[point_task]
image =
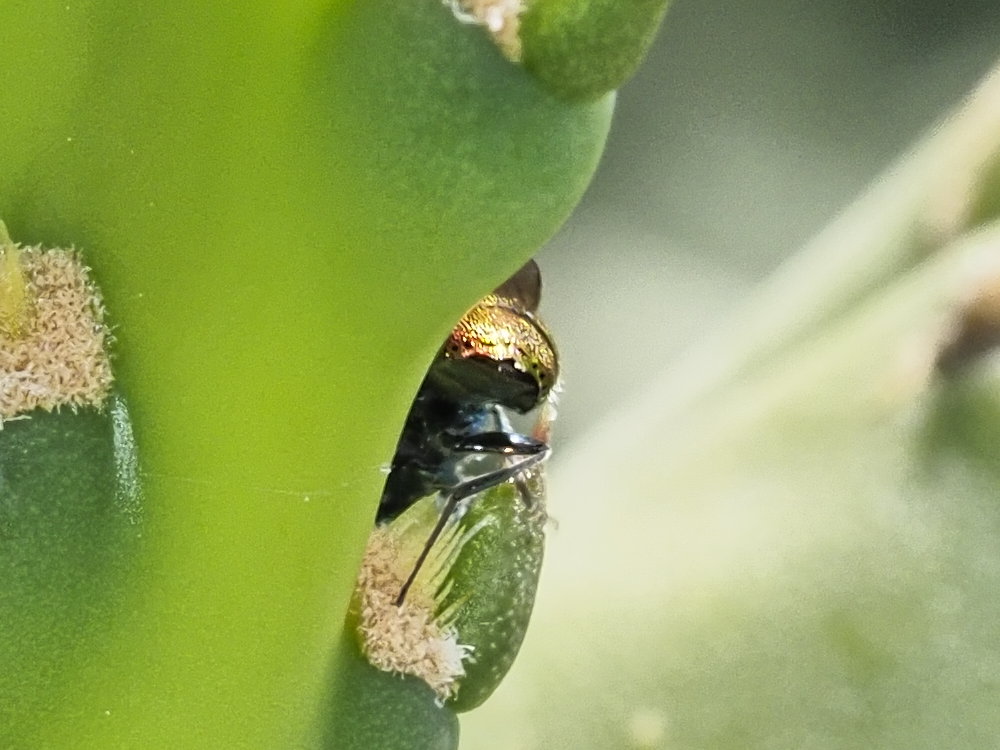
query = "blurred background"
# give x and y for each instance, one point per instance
(800, 583)
(747, 129)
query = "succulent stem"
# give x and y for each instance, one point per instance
(582, 49)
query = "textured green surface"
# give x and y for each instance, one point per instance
(494, 577)
(383, 710)
(582, 49)
(67, 535)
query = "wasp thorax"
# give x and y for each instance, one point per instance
(504, 352)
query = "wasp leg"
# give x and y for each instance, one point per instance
(505, 443)
(501, 443)
(530, 452)
(503, 422)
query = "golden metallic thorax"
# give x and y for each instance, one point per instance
(502, 330)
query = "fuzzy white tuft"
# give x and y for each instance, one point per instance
(501, 18)
(405, 639)
(56, 353)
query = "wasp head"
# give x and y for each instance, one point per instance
(500, 352)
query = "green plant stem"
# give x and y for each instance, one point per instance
(286, 207)
(582, 49)
(67, 540)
